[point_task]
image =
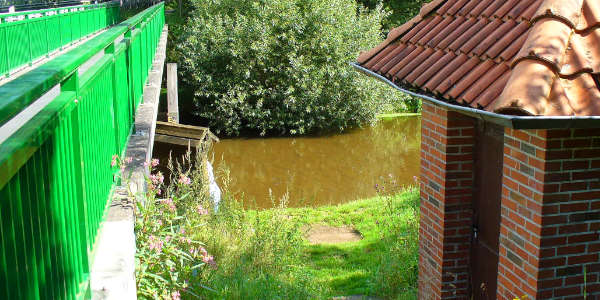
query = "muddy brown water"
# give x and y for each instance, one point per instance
(317, 171)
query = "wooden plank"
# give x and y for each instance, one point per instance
(172, 97)
(197, 133)
(167, 139)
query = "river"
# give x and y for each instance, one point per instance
(314, 171)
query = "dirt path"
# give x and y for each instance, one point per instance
(323, 234)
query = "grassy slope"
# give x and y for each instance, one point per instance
(263, 255)
(389, 227)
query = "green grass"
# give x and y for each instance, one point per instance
(265, 254)
(396, 115)
(359, 268)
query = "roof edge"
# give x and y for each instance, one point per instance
(397, 32)
(510, 121)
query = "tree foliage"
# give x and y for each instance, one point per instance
(401, 10)
(280, 66)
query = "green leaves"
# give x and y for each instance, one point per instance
(280, 66)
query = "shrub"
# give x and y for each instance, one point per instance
(280, 66)
(401, 10)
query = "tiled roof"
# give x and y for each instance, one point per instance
(520, 57)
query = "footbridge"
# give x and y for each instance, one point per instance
(77, 88)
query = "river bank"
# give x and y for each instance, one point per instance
(270, 254)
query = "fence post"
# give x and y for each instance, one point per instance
(172, 97)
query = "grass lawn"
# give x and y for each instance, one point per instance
(384, 263)
(265, 254)
(396, 115)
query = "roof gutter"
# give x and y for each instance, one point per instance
(514, 122)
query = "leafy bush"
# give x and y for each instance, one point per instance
(401, 10)
(280, 66)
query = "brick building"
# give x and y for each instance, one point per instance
(510, 158)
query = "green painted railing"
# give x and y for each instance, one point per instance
(28, 36)
(55, 170)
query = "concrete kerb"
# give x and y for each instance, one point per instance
(113, 272)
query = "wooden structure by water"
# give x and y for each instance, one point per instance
(182, 135)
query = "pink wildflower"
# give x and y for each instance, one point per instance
(170, 204)
(114, 160)
(155, 243)
(202, 211)
(157, 178)
(154, 162)
(185, 180)
(210, 260)
(175, 295)
(158, 191)
(128, 159)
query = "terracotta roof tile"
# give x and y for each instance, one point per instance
(479, 39)
(434, 69)
(467, 80)
(401, 64)
(467, 8)
(452, 36)
(424, 66)
(386, 57)
(522, 7)
(526, 57)
(445, 33)
(491, 9)
(433, 32)
(492, 92)
(530, 11)
(445, 72)
(512, 50)
(445, 7)
(396, 59)
(456, 74)
(458, 5)
(506, 40)
(590, 17)
(468, 35)
(427, 29)
(480, 7)
(412, 64)
(380, 57)
(505, 8)
(485, 81)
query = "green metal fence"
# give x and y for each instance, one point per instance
(28, 36)
(55, 170)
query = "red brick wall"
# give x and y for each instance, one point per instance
(447, 143)
(550, 214)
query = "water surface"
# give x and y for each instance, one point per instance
(315, 171)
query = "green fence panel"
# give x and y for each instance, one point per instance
(58, 178)
(27, 36)
(53, 36)
(18, 45)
